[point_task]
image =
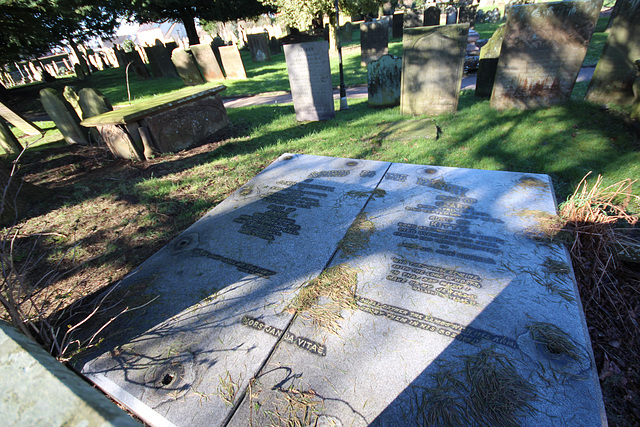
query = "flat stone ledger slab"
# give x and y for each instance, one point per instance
(383, 81)
(374, 41)
(171, 360)
(453, 289)
(543, 49)
(432, 65)
(615, 72)
(232, 62)
(207, 62)
(310, 80)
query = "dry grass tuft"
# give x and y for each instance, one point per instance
(554, 339)
(357, 236)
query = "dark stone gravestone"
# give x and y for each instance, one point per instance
(259, 47)
(346, 33)
(207, 62)
(412, 18)
(22, 123)
(137, 65)
(122, 61)
(374, 41)
(431, 16)
(215, 46)
(488, 65)
(186, 67)
(162, 58)
(8, 141)
(383, 81)
(274, 46)
(232, 62)
(452, 15)
(467, 14)
(80, 74)
(440, 288)
(397, 25)
(615, 72)
(151, 52)
(433, 58)
(64, 117)
(170, 46)
(542, 52)
(92, 102)
(310, 80)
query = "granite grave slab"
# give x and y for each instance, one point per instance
(310, 80)
(543, 49)
(448, 294)
(383, 81)
(207, 62)
(232, 62)
(615, 72)
(183, 357)
(432, 65)
(374, 41)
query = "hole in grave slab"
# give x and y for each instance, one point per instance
(352, 163)
(430, 171)
(287, 158)
(167, 379)
(183, 243)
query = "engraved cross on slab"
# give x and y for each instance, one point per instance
(332, 291)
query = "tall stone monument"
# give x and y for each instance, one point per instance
(207, 62)
(432, 63)
(615, 72)
(310, 80)
(344, 292)
(374, 41)
(542, 52)
(384, 76)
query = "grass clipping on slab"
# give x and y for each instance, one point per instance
(322, 299)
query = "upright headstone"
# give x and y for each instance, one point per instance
(8, 141)
(310, 80)
(93, 102)
(64, 117)
(542, 52)
(216, 43)
(232, 62)
(346, 32)
(80, 74)
(432, 63)
(275, 47)
(133, 58)
(120, 58)
(259, 47)
(71, 96)
(412, 18)
(398, 24)
(615, 72)
(489, 55)
(207, 62)
(152, 52)
(431, 16)
(161, 55)
(19, 121)
(452, 15)
(467, 13)
(186, 67)
(374, 41)
(383, 81)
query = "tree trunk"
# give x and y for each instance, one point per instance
(190, 26)
(81, 60)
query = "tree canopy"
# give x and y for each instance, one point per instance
(187, 10)
(300, 13)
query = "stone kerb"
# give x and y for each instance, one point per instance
(64, 117)
(542, 53)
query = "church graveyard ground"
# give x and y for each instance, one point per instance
(347, 290)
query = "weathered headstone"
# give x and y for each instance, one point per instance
(238, 326)
(80, 74)
(122, 60)
(431, 16)
(92, 102)
(412, 18)
(207, 62)
(489, 55)
(71, 96)
(310, 80)
(215, 46)
(161, 56)
(452, 15)
(152, 52)
(64, 117)
(259, 47)
(374, 41)
(397, 25)
(274, 46)
(137, 65)
(542, 52)
(467, 14)
(8, 141)
(615, 72)
(186, 67)
(383, 81)
(433, 58)
(232, 62)
(346, 33)
(19, 121)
